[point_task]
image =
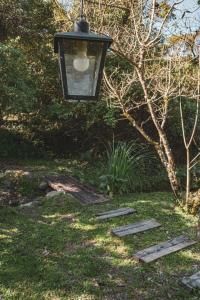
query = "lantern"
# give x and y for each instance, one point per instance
(81, 60)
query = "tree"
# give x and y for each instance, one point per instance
(149, 80)
(189, 139)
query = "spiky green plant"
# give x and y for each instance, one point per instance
(126, 165)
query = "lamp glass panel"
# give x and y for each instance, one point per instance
(82, 62)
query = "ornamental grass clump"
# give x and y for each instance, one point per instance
(125, 164)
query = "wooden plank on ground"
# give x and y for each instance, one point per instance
(136, 227)
(165, 248)
(192, 282)
(111, 211)
(115, 213)
(84, 193)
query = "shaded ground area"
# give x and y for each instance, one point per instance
(19, 182)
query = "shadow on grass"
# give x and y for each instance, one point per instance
(62, 252)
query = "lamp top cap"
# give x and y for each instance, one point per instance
(90, 36)
(82, 25)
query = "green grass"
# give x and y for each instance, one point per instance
(84, 171)
(57, 250)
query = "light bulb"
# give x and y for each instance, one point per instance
(81, 62)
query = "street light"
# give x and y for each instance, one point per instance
(81, 56)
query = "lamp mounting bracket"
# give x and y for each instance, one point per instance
(82, 9)
(82, 25)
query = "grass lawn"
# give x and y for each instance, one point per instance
(57, 250)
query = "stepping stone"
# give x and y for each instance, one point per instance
(162, 249)
(136, 227)
(192, 282)
(115, 213)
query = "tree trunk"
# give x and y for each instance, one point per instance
(167, 160)
(188, 178)
(198, 226)
(163, 149)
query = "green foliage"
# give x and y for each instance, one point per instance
(10, 26)
(16, 85)
(33, 28)
(28, 186)
(196, 176)
(119, 164)
(110, 117)
(14, 144)
(126, 167)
